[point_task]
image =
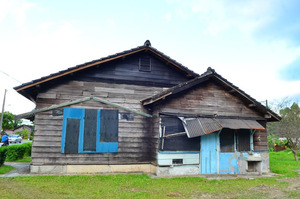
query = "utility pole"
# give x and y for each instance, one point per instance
(1, 121)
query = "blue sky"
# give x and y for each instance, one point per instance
(254, 44)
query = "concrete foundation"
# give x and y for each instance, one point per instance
(254, 163)
(178, 170)
(86, 169)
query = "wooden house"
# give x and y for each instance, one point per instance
(141, 111)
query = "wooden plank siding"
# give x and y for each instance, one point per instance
(208, 99)
(137, 139)
(127, 69)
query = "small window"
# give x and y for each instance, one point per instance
(177, 161)
(171, 126)
(145, 64)
(243, 140)
(227, 140)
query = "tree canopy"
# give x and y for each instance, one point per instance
(9, 122)
(289, 127)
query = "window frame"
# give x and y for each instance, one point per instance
(142, 67)
(79, 113)
(235, 141)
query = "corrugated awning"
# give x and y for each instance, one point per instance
(195, 127)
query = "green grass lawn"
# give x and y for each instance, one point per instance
(143, 186)
(5, 169)
(283, 162)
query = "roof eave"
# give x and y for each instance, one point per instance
(68, 71)
(210, 73)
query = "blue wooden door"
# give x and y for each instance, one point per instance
(209, 153)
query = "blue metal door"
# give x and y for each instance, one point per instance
(209, 153)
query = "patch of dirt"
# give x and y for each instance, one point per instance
(174, 194)
(294, 183)
(273, 192)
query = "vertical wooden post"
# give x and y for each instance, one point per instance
(1, 121)
(251, 139)
(218, 152)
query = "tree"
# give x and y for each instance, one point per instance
(289, 127)
(17, 123)
(8, 121)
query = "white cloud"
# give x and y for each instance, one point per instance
(16, 9)
(168, 17)
(111, 22)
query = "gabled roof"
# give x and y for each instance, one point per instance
(211, 74)
(145, 47)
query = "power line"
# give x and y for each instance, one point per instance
(10, 76)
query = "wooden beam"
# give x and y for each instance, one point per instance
(149, 101)
(251, 105)
(175, 135)
(121, 107)
(80, 101)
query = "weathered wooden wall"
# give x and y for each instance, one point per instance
(260, 139)
(208, 99)
(137, 140)
(127, 71)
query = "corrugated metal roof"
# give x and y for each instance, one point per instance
(193, 128)
(239, 124)
(196, 127)
(209, 125)
(232, 123)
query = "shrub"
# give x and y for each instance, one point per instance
(2, 155)
(28, 147)
(15, 152)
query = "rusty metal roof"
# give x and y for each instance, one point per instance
(196, 127)
(239, 124)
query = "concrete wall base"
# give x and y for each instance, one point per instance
(85, 169)
(178, 170)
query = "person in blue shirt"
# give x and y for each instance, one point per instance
(4, 140)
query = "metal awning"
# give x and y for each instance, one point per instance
(195, 127)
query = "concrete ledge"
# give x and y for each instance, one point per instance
(48, 169)
(178, 170)
(85, 169)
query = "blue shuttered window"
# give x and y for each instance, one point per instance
(89, 131)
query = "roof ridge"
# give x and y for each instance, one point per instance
(92, 63)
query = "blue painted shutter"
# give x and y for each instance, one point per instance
(72, 135)
(90, 130)
(109, 126)
(72, 126)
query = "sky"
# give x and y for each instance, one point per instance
(252, 43)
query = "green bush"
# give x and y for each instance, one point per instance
(28, 147)
(2, 155)
(15, 152)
